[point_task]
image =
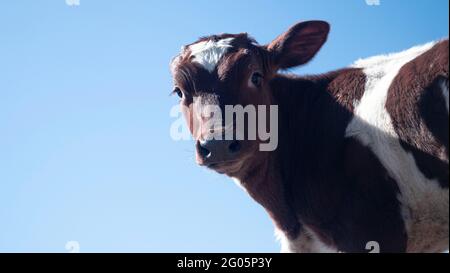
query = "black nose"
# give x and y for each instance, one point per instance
(215, 151)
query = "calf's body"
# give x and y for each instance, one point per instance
(361, 161)
(362, 154)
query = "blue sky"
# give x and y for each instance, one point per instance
(85, 150)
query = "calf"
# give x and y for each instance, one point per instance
(362, 152)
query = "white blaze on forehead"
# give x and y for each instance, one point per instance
(208, 53)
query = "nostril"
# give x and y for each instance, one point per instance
(203, 152)
(234, 147)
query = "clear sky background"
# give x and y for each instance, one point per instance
(85, 150)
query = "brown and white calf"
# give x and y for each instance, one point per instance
(362, 152)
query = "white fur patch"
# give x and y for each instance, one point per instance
(444, 89)
(239, 184)
(425, 204)
(306, 242)
(208, 53)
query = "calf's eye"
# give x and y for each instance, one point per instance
(178, 92)
(257, 79)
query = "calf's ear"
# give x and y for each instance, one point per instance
(299, 44)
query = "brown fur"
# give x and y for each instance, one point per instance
(317, 179)
(416, 106)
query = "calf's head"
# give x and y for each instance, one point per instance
(223, 82)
